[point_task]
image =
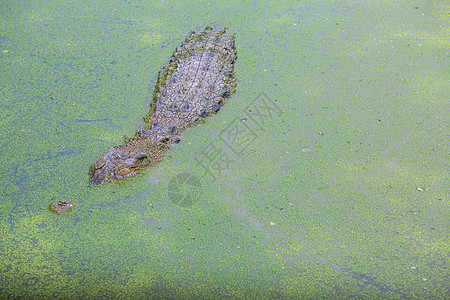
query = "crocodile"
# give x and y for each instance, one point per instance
(196, 82)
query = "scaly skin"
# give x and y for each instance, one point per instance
(197, 81)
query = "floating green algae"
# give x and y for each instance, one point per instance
(323, 202)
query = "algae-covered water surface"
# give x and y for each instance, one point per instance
(324, 176)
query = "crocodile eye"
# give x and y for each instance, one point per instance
(99, 163)
(123, 171)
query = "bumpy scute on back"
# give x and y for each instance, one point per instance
(198, 79)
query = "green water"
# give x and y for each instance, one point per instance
(338, 188)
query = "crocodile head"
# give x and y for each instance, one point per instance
(116, 164)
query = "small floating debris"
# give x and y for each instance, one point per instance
(61, 206)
